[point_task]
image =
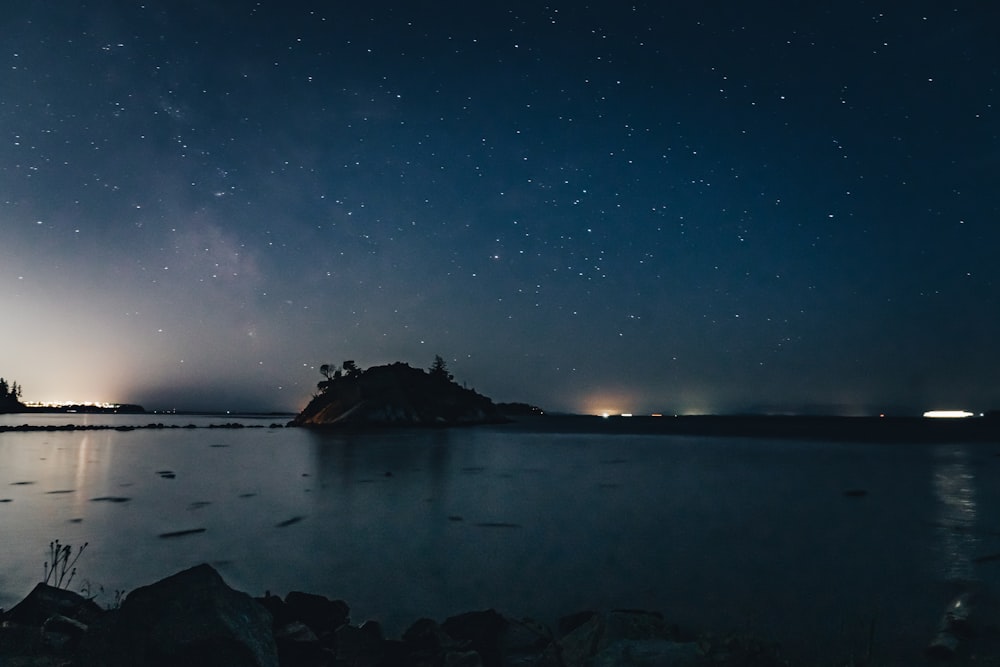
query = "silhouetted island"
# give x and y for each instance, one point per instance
(395, 395)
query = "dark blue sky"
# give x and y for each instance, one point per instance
(673, 207)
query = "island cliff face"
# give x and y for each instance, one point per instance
(396, 395)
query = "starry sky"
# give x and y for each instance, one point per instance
(678, 207)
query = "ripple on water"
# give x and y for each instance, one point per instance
(182, 533)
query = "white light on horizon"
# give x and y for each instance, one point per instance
(71, 404)
(948, 414)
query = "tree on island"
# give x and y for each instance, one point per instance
(332, 374)
(10, 397)
(439, 370)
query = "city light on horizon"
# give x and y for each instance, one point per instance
(72, 404)
(948, 414)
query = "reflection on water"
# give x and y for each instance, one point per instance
(954, 486)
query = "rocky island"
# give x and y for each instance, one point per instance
(395, 395)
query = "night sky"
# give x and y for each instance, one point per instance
(658, 206)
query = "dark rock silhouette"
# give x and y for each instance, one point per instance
(193, 618)
(45, 601)
(49, 621)
(396, 395)
(320, 614)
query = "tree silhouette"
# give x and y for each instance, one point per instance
(351, 369)
(331, 373)
(439, 369)
(10, 396)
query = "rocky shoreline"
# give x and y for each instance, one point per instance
(193, 618)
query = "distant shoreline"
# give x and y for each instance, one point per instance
(837, 429)
(82, 408)
(853, 429)
(137, 410)
(23, 428)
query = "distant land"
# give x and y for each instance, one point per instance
(400, 395)
(519, 410)
(847, 429)
(86, 408)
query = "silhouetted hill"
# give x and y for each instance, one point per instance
(397, 395)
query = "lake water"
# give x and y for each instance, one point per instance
(717, 533)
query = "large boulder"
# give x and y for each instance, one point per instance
(45, 602)
(193, 619)
(49, 620)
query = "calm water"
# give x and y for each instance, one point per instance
(716, 533)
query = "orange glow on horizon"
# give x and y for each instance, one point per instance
(606, 404)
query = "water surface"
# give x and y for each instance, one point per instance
(717, 533)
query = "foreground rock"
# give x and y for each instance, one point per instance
(49, 621)
(193, 619)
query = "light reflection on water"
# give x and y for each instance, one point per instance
(715, 533)
(955, 488)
